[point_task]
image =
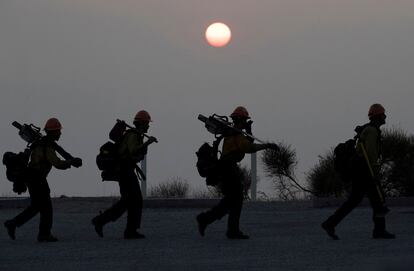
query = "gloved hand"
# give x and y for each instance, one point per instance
(151, 139)
(272, 146)
(249, 127)
(76, 162)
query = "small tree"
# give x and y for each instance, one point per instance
(279, 165)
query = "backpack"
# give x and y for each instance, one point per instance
(17, 164)
(345, 155)
(208, 162)
(108, 160)
(17, 170)
(118, 131)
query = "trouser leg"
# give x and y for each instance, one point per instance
(131, 192)
(379, 224)
(131, 201)
(376, 198)
(115, 211)
(235, 207)
(39, 201)
(356, 196)
(46, 211)
(27, 214)
(231, 203)
(218, 211)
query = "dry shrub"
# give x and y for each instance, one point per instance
(323, 178)
(211, 193)
(174, 188)
(280, 165)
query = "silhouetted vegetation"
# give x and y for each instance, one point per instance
(397, 174)
(398, 163)
(176, 187)
(210, 193)
(279, 165)
(323, 178)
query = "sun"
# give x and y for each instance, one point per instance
(218, 34)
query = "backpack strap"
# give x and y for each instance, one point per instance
(38, 143)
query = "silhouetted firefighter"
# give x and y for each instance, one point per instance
(364, 174)
(225, 172)
(118, 161)
(42, 152)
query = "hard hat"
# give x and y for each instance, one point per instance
(53, 124)
(376, 109)
(240, 112)
(143, 116)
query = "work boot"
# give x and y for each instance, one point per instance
(202, 225)
(11, 229)
(330, 230)
(133, 235)
(46, 238)
(236, 235)
(382, 235)
(98, 226)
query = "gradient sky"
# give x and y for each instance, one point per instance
(307, 71)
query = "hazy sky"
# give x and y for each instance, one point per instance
(307, 71)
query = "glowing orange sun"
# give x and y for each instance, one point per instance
(218, 34)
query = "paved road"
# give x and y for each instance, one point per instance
(280, 240)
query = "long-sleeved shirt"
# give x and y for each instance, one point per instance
(370, 139)
(132, 147)
(44, 156)
(235, 147)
